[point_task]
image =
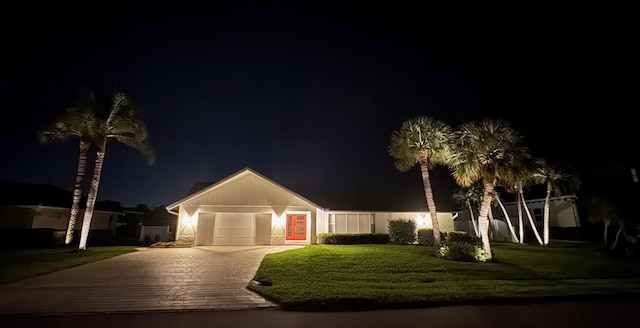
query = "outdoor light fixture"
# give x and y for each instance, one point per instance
(280, 220)
(189, 220)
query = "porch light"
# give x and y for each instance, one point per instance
(280, 221)
(189, 220)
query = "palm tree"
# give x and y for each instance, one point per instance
(484, 151)
(506, 216)
(425, 141)
(555, 181)
(120, 125)
(467, 197)
(77, 121)
(516, 180)
(602, 208)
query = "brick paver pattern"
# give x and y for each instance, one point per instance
(154, 279)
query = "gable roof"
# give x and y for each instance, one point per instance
(34, 194)
(43, 194)
(345, 197)
(206, 187)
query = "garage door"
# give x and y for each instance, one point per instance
(234, 229)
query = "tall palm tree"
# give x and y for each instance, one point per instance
(78, 121)
(424, 141)
(120, 125)
(484, 151)
(555, 181)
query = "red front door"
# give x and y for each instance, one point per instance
(296, 227)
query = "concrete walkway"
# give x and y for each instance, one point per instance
(153, 279)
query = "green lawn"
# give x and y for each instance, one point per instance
(334, 277)
(22, 264)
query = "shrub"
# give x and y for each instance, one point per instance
(425, 236)
(462, 251)
(402, 231)
(452, 236)
(352, 238)
(180, 243)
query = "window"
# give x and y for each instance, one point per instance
(537, 214)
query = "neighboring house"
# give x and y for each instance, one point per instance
(564, 219)
(47, 208)
(247, 208)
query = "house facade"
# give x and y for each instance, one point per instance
(56, 218)
(564, 219)
(247, 208)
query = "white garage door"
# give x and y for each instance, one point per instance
(234, 229)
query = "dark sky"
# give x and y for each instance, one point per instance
(307, 92)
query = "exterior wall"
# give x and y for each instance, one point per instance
(377, 222)
(16, 217)
(247, 193)
(57, 218)
(563, 212)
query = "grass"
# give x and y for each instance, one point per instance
(348, 277)
(21, 264)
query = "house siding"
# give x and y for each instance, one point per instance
(245, 193)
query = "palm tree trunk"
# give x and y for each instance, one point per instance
(431, 204)
(546, 217)
(531, 222)
(492, 226)
(520, 221)
(615, 242)
(473, 219)
(487, 195)
(606, 231)
(506, 215)
(91, 198)
(77, 191)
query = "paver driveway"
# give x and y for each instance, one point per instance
(199, 278)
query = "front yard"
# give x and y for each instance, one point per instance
(347, 277)
(26, 263)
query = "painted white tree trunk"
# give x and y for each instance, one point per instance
(506, 215)
(531, 222)
(606, 231)
(473, 219)
(545, 230)
(615, 242)
(91, 199)
(520, 221)
(77, 191)
(492, 226)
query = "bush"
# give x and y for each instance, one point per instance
(425, 236)
(180, 243)
(351, 238)
(462, 251)
(402, 231)
(452, 236)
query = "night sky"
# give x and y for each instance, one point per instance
(308, 92)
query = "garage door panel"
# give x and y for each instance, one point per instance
(263, 229)
(234, 229)
(204, 234)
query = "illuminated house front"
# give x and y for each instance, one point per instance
(247, 208)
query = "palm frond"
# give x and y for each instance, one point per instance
(421, 139)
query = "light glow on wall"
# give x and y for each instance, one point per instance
(423, 221)
(189, 220)
(279, 221)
